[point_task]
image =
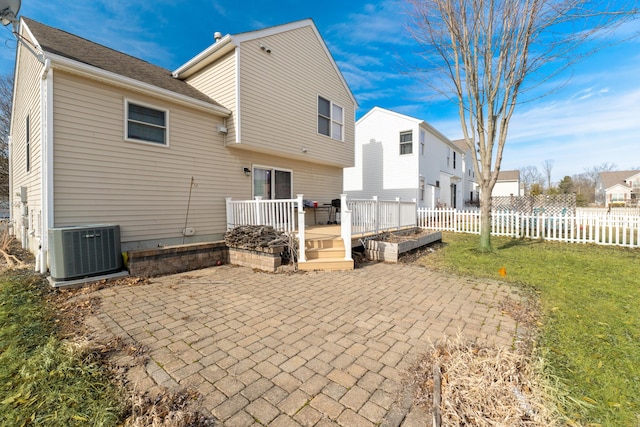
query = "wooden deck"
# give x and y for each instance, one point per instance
(325, 249)
(332, 231)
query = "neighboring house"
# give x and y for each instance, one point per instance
(469, 183)
(621, 187)
(101, 137)
(401, 156)
(508, 184)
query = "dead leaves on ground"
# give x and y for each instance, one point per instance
(481, 386)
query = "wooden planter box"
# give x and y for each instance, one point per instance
(388, 251)
(265, 259)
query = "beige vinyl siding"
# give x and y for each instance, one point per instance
(101, 178)
(27, 103)
(218, 81)
(279, 95)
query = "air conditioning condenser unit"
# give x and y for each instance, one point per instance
(84, 251)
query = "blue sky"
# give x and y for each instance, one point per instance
(594, 118)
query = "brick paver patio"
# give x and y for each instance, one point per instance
(304, 349)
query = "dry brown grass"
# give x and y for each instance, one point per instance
(167, 410)
(13, 256)
(482, 386)
(123, 359)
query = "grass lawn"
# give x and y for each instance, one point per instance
(590, 335)
(42, 382)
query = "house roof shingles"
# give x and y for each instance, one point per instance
(76, 48)
(461, 144)
(513, 175)
(609, 179)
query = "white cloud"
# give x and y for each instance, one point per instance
(222, 11)
(380, 23)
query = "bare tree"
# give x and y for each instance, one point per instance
(594, 171)
(530, 175)
(547, 167)
(6, 94)
(483, 52)
(585, 188)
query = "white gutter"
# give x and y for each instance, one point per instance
(204, 58)
(69, 65)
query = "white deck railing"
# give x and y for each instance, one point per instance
(358, 217)
(376, 216)
(285, 215)
(621, 230)
(279, 214)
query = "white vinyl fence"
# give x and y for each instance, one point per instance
(582, 227)
(606, 211)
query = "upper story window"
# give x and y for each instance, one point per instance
(406, 142)
(454, 159)
(330, 119)
(146, 124)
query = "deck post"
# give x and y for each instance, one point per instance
(258, 211)
(376, 215)
(345, 227)
(301, 241)
(229, 213)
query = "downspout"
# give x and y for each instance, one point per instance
(46, 150)
(12, 217)
(238, 120)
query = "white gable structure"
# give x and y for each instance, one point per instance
(508, 184)
(401, 156)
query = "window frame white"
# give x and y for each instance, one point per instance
(128, 102)
(405, 143)
(272, 183)
(333, 121)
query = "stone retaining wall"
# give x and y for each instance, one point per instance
(266, 259)
(176, 259)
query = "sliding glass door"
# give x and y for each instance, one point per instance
(271, 183)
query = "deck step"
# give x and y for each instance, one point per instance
(335, 243)
(326, 264)
(324, 253)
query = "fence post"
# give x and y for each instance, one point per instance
(455, 220)
(301, 239)
(415, 212)
(376, 214)
(229, 213)
(345, 227)
(398, 211)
